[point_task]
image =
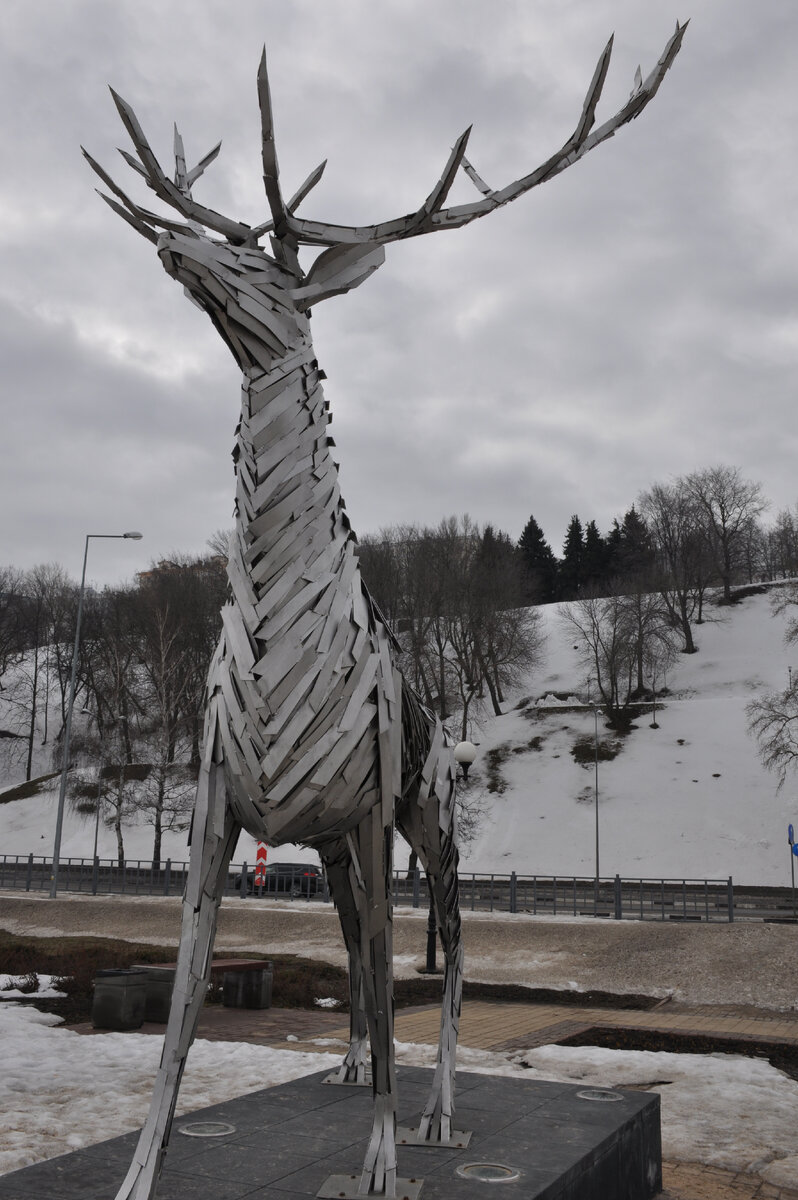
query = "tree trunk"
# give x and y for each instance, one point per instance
(120, 848)
(687, 632)
(726, 573)
(33, 699)
(195, 741)
(495, 698)
(46, 692)
(158, 821)
(442, 708)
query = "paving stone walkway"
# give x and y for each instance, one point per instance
(691, 1181)
(485, 1025)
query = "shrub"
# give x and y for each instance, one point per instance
(584, 750)
(495, 758)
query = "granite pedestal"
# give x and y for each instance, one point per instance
(545, 1141)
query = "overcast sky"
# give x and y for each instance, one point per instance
(631, 320)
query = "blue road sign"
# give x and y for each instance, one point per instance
(795, 851)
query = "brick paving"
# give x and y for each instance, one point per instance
(691, 1181)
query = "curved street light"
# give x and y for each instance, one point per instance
(135, 536)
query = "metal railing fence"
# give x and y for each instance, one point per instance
(708, 900)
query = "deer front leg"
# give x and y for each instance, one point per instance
(214, 839)
(354, 1069)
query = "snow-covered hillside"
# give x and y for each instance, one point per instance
(689, 799)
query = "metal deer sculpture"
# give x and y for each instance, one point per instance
(311, 733)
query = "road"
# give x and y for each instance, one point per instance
(740, 964)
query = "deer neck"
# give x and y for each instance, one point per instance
(292, 533)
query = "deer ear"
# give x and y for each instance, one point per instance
(339, 270)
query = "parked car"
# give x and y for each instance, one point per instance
(295, 879)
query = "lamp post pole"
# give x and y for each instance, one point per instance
(59, 824)
(596, 751)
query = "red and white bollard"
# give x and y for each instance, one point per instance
(260, 865)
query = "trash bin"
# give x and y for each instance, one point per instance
(120, 999)
(248, 989)
(158, 983)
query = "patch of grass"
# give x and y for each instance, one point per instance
(740, 593)
(495, 759)
(584, 750)
(26, 984)
(535, 743)
(83, 789)
(297, 983)
(134, 772)
(24, 791)
(75, 961)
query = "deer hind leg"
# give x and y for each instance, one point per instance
(427, 821)
(355, 1067)
(214, 837)
(361, 883)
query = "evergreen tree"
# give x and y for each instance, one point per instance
(634, 554)
(595, 559)
(573, 560)
(538, 564)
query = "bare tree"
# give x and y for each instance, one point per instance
(12, 617)
(452, 594)
(773, 720)
(727, 504)
(672, 515)
(112, 684)
(164, 679)
(184, 595)
(614, 634)
(219, 542)
(33, 620)
(780, 546)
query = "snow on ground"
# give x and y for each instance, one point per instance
(12, 987)
(687, 800)
(55, 1084)
(724, 1110)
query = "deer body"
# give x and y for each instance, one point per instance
(311, 734)
(302, 651)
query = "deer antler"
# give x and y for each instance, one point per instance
(432, 216)
(177, 194)
(291, 231)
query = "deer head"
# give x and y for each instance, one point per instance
(350, 253)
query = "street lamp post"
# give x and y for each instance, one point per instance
(135, 536)
(596, 745)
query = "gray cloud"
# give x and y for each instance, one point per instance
(633, 319)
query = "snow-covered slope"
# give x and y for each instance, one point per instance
(689, 799)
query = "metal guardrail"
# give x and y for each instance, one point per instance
(707, 900)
